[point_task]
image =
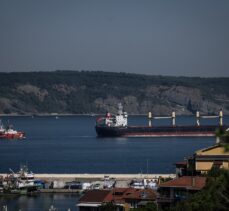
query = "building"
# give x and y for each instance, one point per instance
(122, 198)
(92, 200)
(181, 168)
(179, 189)
(206, 158)
(203, 160)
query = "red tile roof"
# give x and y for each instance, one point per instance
(94, 196)
(118, 195)
(122, 194)
(188, 182)
(146, 194)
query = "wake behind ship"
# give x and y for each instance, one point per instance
(117, 126)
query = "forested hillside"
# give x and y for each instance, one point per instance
(85, 92)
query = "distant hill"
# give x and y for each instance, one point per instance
(85, 92)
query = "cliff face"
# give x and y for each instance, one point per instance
(97, 92)
(161, 100)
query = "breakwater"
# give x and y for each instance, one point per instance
(77, 183)
(66, 177)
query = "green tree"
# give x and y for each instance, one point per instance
(109, 206)
(151, 206)
(214, 197)
(223, 136)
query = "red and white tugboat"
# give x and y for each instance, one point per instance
(10, 133)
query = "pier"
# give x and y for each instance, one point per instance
(100, 176)
(66, 177)
(63, 183)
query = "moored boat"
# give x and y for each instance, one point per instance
(22, 182)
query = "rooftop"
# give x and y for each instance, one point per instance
(188, 182)
(94, 196)
(118, 195)
(212, 151)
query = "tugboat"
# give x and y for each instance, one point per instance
(10, 133)
(117, 126)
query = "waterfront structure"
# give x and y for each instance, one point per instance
(203, 160)
(179, 189)
(181, 168)
(122, 198)
(214, 156)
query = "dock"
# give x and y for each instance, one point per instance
(77, 183)
(70, 177)
(99, 176)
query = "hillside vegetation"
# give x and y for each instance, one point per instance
(85, 92)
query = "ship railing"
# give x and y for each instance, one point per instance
(198, 117)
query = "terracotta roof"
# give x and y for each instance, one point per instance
(94, 196)
(122, 194)
(115, 195)
(146, 194)
(118, 195)
(188, 182)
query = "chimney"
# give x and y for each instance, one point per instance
(193, 181)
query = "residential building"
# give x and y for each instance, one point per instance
(206, 158)
(122, 198)
(179, 188)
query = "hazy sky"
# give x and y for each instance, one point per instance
(173, 37)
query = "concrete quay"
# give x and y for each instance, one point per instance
(51, 177)
(99, 176)
(60, 190)
(58, 183)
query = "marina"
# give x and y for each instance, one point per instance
(76, 183)
(69, 188)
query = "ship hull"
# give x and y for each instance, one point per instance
(158, 131)
(18, 135)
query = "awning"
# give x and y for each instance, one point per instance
(88, 205)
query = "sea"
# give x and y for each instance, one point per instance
(68, 144)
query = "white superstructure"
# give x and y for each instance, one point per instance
(119, 120)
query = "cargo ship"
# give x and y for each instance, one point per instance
(117, 126)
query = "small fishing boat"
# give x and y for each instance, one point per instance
(22, 182)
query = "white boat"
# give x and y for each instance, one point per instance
(138, 184)
(21, 182)
(25, 178)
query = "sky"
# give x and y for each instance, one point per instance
(163, 37)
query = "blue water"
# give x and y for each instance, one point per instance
(40, 202)
(70, 145)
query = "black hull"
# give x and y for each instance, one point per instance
(157, 131)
